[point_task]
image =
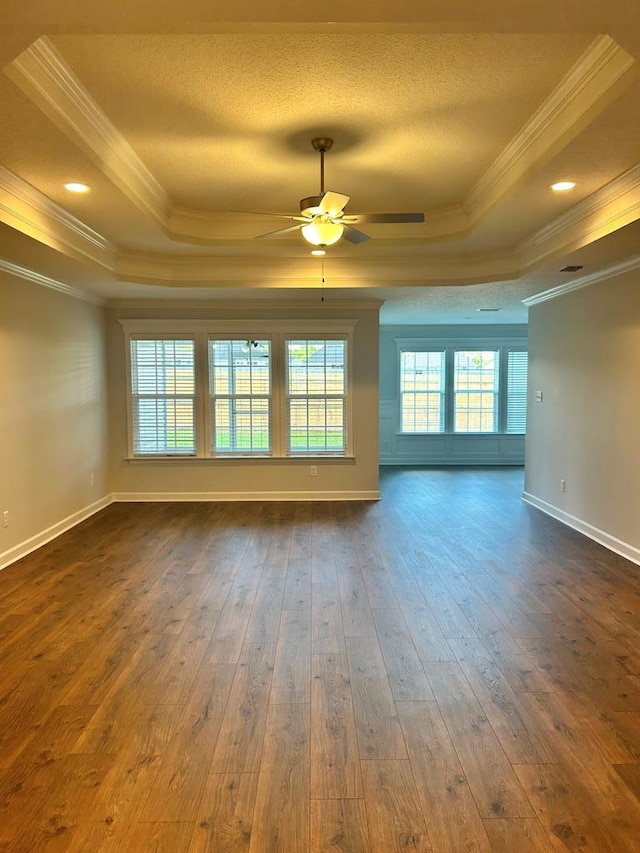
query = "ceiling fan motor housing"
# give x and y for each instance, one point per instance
(310, 206)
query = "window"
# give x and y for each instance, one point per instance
(517, 391)
(316, 396)
(422, 391)
(206, 389)
(163, 397)
(240, 396)
(449, 388)
(475, 388)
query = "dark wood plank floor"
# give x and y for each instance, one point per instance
(447, 670)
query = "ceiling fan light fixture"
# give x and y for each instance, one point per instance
(322, 232)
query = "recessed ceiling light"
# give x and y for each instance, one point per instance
(572, 268)
(77, 187)
(318, 252)
(562, 186)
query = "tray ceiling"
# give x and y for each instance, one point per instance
(180, 126)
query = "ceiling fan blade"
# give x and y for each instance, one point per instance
(353, 235)
(279, 215)
(278, 232)
(333, 203)
(386, 217)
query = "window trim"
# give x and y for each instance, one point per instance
(276, 330)
(131, 454)
(505, 379)
(443, 393)
(346, 397)
(210, 423)
(496, 392)
(449, 346)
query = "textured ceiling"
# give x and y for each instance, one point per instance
(219, 120)
(184, 127)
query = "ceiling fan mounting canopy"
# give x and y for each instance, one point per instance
(322, 143)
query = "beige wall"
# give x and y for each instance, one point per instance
(584, 355)
(250, 478)
(52, 410)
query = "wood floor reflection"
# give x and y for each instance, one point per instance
(446, 670)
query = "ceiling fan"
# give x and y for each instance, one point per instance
(322, 217)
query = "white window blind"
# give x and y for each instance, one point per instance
(163, 397)
(475, 385)
(316, 383)
(240, 396)
(422, 382)
(517, 391)
(211, 388)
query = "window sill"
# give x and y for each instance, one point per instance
(298, 458)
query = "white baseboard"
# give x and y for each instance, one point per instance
(397, 461)
(34, 542)
(364, 495)
(602, 537)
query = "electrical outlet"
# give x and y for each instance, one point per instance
(91, 479)
(563, 485)
(314, 471)
(5, 518)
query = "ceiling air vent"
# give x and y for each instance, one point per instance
(572, 268)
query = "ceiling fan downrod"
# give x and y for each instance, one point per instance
(310, 206)
(322, 144)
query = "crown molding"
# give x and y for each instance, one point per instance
(628, 265)
(142, 325)
(45, 77)
(171, 306)
(581, 94)
(29, 211)
(615, 205)
(256, 272)
(51, 283)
